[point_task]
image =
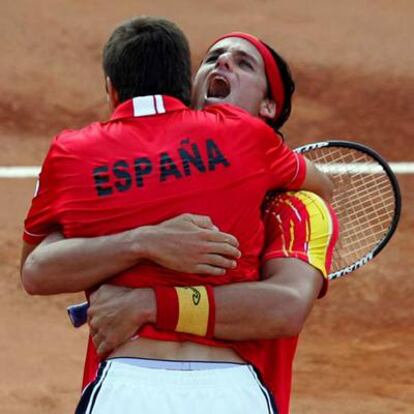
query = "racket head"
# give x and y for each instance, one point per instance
(367, 200)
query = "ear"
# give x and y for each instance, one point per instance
(112, 95)
(267, 108)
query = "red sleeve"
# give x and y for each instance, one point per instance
(41, 219)
(287, 168)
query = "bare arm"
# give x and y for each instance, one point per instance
(59, 265)
(318, 182)
(187, 243)
(275, 307)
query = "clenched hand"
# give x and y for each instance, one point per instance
(192, 244)
(116, 313)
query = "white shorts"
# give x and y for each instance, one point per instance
(122, 388)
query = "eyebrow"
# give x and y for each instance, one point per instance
(241, 53)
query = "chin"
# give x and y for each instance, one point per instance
(217, 101)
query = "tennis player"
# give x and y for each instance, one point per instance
(115, 178)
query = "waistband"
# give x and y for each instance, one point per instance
(174, 365)
(216, 377)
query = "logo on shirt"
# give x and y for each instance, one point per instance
(123, 175)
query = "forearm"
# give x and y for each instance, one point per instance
(243, 311)
(72, 265)
(187, 243)
(274, 307)
(257, 310)
(318, 182)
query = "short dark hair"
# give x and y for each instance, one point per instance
(288, 87)
(148, 56)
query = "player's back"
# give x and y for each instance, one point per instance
(156, 159)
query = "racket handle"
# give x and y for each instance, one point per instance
(78, 314)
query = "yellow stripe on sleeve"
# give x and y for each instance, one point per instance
(292, 235)
(321, 227)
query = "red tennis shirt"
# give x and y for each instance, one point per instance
(298, 225)
(153, 160)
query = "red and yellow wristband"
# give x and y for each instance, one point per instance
(186, 309)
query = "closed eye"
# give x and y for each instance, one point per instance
(211, 59)
(246, 63)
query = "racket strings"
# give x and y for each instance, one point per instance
(363, 200)
(378, 207)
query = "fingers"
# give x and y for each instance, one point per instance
(201, 221)
(224, 249)
(102, 346)
(93, 330)
(219, 237)
(217, 260)
(204, 222)
(205, 269)
(215, 264)
(97, 338)
(103, 350)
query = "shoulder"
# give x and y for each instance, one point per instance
(242, 121)
(302, 217)
(73, 139)
(228, 110)
(301, 225)
(231, 112)
(75, 136)
(303, 205)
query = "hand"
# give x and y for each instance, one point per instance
(192, 244)
(116, 313)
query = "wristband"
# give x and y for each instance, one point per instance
(186, 309)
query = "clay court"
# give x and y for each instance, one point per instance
(353, 65)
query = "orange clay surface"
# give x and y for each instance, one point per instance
(353, 64)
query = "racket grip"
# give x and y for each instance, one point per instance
(78, 314)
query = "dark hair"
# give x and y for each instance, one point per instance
(148, 56)
(288, 87)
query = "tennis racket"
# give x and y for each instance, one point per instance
(366, 199)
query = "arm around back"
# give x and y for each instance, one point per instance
(274, 307)
(187, 243)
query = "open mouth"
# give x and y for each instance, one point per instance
(218, 87)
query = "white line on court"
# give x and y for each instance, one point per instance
(366, 168)
(33, 171)
(19, 172)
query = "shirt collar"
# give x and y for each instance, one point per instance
(147, 106)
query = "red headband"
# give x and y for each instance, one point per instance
(272, 71)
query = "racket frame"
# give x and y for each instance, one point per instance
(395, 187)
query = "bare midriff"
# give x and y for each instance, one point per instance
(179, 351)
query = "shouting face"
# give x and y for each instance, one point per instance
(233, 72)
